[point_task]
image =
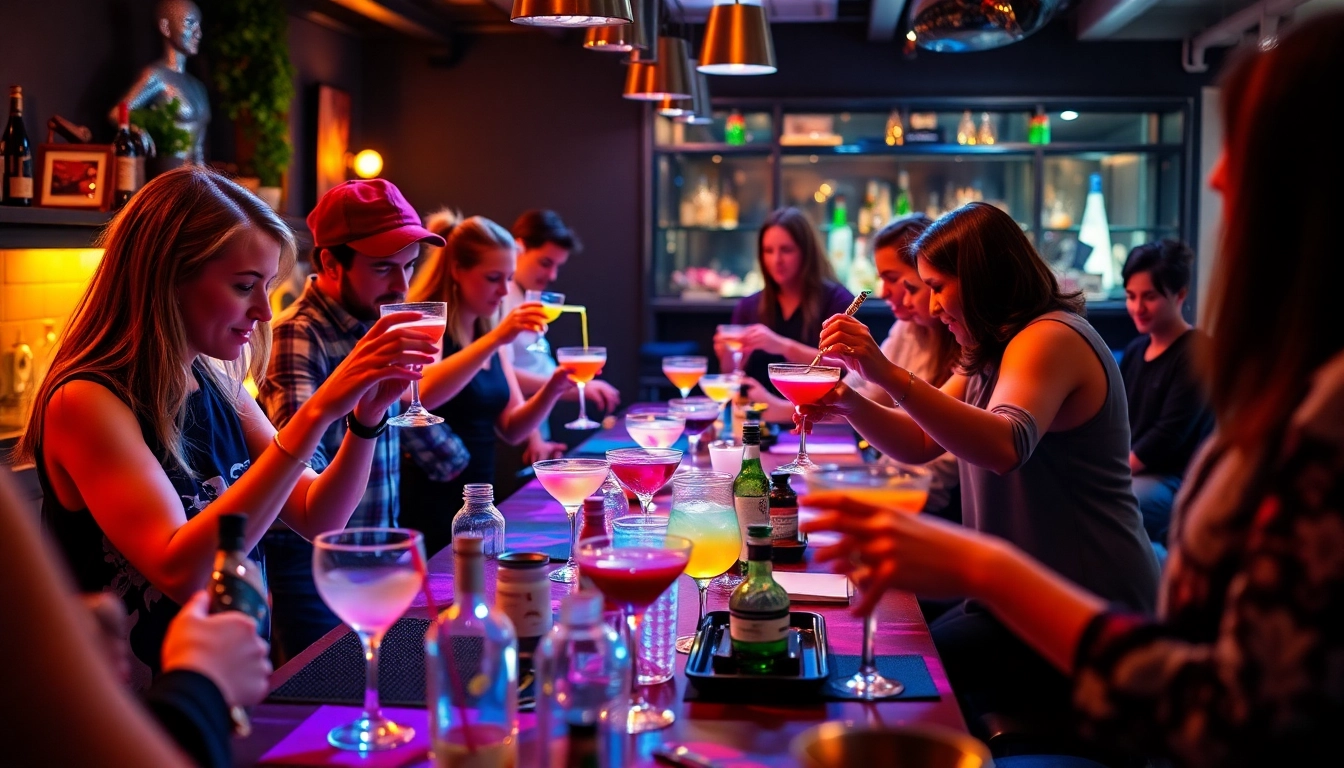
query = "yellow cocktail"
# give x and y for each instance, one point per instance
(702, 511)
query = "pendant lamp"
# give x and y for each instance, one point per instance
(679, 107)
(737, 41)
(700, 113)
(669, 78)
(639, 35)
(571, 13)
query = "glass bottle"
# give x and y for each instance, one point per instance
(903, 203)
(728, 205)
(583, 667)
(895, 130)
(735, 129)
(479, 517)
(17, 153)
(471, 666)
(1096, 232)
(966, 129)
(751, 489)
(130, 168)
(595, 523)
(758, 611)
(787, 547)
(985, 135)
(237, 583)
(840, 240)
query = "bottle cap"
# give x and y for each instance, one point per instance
(593, 505)
(468, 544)
(123, 113)
(478, 491)
(762, 532)
(524, 560)
(751, 433)
(231, 529)
(1094, 183)
(581, 608)
(781, 479)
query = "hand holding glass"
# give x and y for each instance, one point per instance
(433, 321)
(584, 363)
(552, 304)
(803, 385)
(732, 338)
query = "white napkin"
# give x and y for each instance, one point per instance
(815, 587)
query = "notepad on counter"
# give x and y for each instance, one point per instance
(815, 587)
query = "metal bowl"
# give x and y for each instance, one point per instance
(837, 744)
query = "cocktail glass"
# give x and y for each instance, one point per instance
(803, 385)
(652, 429)
(633, 576)
(433, 321)
(685, 371)
(699, 413)
(584, 363)
(732, 338)
(726, 456)
(702, 511)
(902, 488)
(552, 304)
(722, 388)
(368, 577)
(570, 481)
(644, 471)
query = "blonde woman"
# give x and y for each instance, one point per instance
(474, 387)
(142, 432)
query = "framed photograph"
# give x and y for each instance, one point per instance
(333, 137)
(75, 176)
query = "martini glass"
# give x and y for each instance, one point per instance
(803, 385)
(699, 413)
(644, 471)
(633, 576)
(570, 481)
(732, 338)
(721, 388)
(702, 511)
(368, 577)
(552, 304)
(584, 363)
(684, 372)
(651, 429)
(433, 321)
(899, 487)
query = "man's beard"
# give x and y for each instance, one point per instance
(360, 309)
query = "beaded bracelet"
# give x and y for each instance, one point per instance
(280, 447)
(909, 386)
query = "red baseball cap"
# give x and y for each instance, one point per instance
(369, 215)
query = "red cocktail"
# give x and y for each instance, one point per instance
(803, 385)
(644, 471)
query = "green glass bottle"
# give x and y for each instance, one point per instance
(751, 488)
(758, 611)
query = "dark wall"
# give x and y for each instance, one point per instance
(321, 56)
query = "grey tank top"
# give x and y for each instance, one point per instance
(1070, 501)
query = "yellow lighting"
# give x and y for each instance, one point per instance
(825, 189)
(910, 35)
(368, 164)
(819, 197)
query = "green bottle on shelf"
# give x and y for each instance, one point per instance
(758, 611)
(735, 129)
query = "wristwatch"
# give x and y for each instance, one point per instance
(361, 431)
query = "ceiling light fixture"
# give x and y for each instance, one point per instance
(737, 41)
(1068, 114)
(641, 34)
(668, 78)
(571, 13)
(959, 26)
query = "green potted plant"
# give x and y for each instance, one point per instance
(171, 141)
(248, 47)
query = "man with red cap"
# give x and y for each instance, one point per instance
(366, 240)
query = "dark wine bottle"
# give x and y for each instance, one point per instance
(18, 154)
(236, 583)
(130, 165)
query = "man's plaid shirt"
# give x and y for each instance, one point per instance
(310, 338)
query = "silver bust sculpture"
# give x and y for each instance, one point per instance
(179, 23)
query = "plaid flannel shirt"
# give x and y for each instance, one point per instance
(311, 338)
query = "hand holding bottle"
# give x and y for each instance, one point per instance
(223, 646)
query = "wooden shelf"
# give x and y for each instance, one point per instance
(73, 228)
(52, 217)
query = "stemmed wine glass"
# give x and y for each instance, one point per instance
(644, 471)
(552, 304)
(570, 481)
(803, 385)
(633, 572)
(685, 371)
(584, 363)
(433, 321)
(702, 511)
(900, 487)
(368, 577)
(722, 388)
(732, 338)
(654, 428)
(699, 413)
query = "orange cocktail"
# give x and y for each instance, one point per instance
(684, 372)
(583, 364)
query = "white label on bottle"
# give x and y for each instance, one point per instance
(751, 510)
(784, 524)
(126, 175)
(21, 186)
(744, 630)
(527, 604)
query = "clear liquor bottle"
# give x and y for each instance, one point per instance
(758, 611)
(479, 517)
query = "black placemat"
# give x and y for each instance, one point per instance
(909, 669)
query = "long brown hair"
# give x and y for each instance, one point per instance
(1004, 283)
(467, 241)
(943, 348)
(1272, 305)
(816, 270)
(127, 329)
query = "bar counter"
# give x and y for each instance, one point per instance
(735, 735)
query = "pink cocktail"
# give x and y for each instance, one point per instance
(644, 471)
(654, 430)
(432, 321)
(803, 385)
(570, 481)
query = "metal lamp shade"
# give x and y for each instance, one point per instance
(571, 13)
(701, 112)
(668, 78)
(737, 42)
(687, 108)
(958, 26)
(641, 34)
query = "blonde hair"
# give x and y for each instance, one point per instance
(127, 330)
(467, 242)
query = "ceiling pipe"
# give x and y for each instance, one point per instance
(1265, 15)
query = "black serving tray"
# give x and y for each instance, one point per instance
(711, 670)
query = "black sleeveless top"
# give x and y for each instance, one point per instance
(212, 437)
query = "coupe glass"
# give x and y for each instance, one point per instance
(732, 338)
(899, 487)
(699, 413)
(644, 471)
(633, 576)
(552, 304)
(803, 385)
(684, 372)
(653, 429)
(702, 511)
(433, 321)
(584, 363)
(368, 577)
(570, 481)
(722, 388)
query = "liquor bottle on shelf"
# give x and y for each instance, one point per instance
(735, 129)
(1039, 130)
(903, 204)
(1096, 232)
(840, 240)
(751, 489)
(471, 666)
(966, 129)
(985, 135)
(130, 170)
(18, 155)
(867, 209)
(895, 130)
(933, 211)
(758, 611)
(706, 204)
(479, 517)
(728, 206)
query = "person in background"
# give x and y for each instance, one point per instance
(1168, 414)
(1239, 668)
(1038, 424)
(366, 240)
(545, 244)
(142, 432)
(785, 317)
(473, 388)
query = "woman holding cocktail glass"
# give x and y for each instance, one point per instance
(142, 432)
(1039, 425)
(473, 387)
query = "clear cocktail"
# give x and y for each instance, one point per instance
(803, 385)
(654, 430)
(644, 471)
(702, 511)
(583, 363)
(570, 481)
(684, 372)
